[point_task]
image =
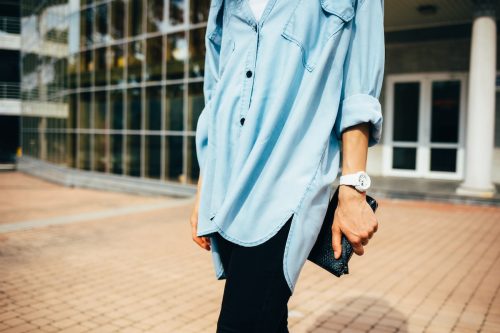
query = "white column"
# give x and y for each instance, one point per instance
(480, 130)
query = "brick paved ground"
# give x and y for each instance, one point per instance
(127, 264)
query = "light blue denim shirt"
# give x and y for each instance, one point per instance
(278, 94)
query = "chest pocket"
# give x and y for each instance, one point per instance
(218, 42)
(313, 23)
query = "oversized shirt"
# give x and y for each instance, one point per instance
(279, 92)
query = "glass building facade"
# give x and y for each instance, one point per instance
(114, 86)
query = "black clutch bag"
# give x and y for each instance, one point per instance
(322, 251)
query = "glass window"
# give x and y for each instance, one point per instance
(176, 55)
(71, 150)
(100, 110)
(84, 152)
(116, 64)
(173, 158)
(86, 68)
(153, 61)
(135, 60)
(116, 109)
(134, 17)
(199, 10)
(102, 34)
(197, 52)
(153, 156)
(133, 158)
(134, 109)
(192, 162)
(404, 158)
(174, 104)
(117, 27)
(443, 159)
(153, 108)
(86, 24)
(156, 16)
(116, 154)
(100, 160)
(100, 67)
(196, 103)
(406, 109)
(176, 12)
(445, 111)
(72, 110)
(85, 110)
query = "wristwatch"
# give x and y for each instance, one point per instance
(360, 180)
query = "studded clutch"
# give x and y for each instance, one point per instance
(322, 251)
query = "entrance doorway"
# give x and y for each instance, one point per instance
(424, 125)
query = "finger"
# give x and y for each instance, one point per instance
(357, 246)
(336, 241)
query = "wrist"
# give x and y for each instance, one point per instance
(349, 192)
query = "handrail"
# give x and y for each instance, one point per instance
(9, 90)
(10, 24)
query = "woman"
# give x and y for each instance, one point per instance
(282, 90)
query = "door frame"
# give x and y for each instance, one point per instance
(423, 144)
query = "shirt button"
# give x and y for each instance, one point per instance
(242, 121)
(249, 74)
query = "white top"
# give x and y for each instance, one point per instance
(257, 7)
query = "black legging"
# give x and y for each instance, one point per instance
(256, 293)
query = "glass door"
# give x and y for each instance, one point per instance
(424, 127)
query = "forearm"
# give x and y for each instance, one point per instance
(354, 151)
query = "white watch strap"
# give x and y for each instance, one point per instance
(349, 179)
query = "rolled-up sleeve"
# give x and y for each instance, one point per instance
(212, 54)
(363, 72)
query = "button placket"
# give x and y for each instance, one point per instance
(249, 75)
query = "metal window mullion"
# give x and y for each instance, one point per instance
(125, 92)
(163, 104)
(185, 109)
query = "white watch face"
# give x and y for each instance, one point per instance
(363, 181)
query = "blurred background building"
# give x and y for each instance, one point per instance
(111, 92)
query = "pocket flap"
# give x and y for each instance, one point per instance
(341, 8)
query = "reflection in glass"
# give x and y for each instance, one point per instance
(85, 110)
(153, 156)
(445, 111)
(100, 110)
(196, 103)
(199, 10)
(134, 17)
(86, 24)
(197, 52)
(406, 109)
(155, 16)
(117, 27)
(176, 55)
(116, 64)
(72, 71)
(135, 60)
(176, 12)
(134, 108)
(173, 158)
(100, 67)
(133, 157)
(153, 108)
(116, 153)
(153, 60)
(86, 68)
(116, 109)
(84, 152)
(102, 35)
(100, 160)
(71, 150)
(174, 107)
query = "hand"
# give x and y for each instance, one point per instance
(355, 219)
(203, 242)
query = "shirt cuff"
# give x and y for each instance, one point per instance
(357, 109)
